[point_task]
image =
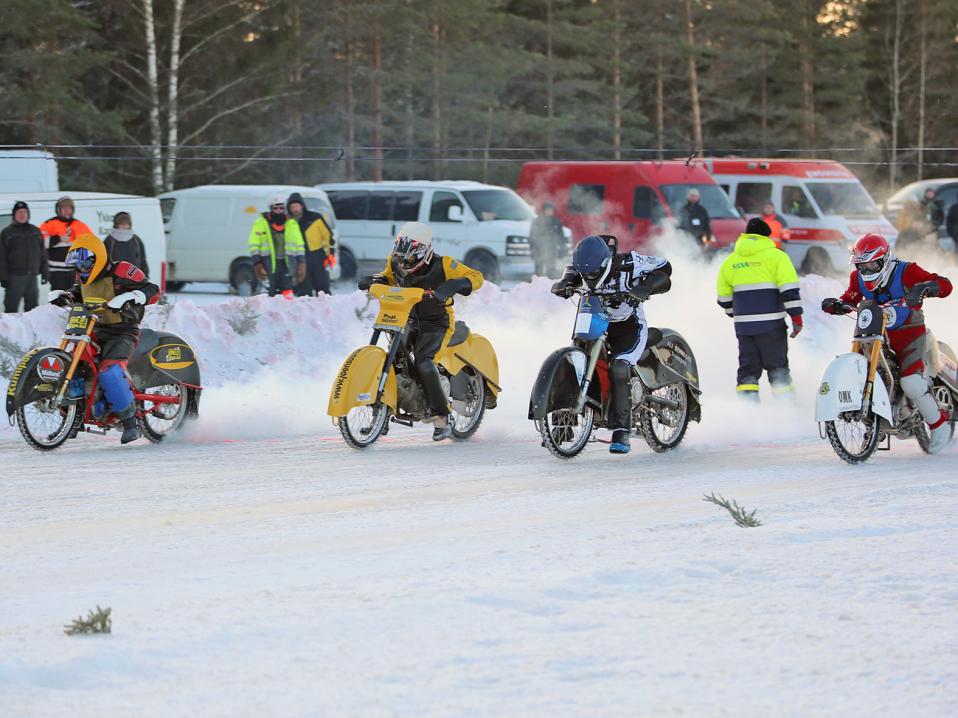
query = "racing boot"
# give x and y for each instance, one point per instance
(620, 442)
(131, 430)
(940, 433)
(443, 428)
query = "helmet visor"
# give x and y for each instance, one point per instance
(82, 260)
(871, 268)
(411, 254)
(594, 277)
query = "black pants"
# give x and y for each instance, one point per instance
(425, 341)
(21, 286)
(768, 352)
(62, 280)
(317, 275)
(625, 342)
(280, 280)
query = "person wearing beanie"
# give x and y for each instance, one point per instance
(277, 248)
(758, 287)
(694, 219)
(122, 245)
(58, 232)
(320, 247)
(22, 260)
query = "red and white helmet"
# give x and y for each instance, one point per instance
(874, 260)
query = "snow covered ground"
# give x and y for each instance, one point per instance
(257, 566)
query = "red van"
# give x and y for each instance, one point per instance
(628, 199)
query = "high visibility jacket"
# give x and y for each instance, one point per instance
(57, 236)
(316, 232)
(261, 243)
(777, 225)
(440, 270)
(757, 286)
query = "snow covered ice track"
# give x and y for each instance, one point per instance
(255, 565)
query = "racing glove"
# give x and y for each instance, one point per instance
(366, 282)
(916, 295)
(652, 283)
(797, 326)
(452, 286)
(832, 305)
(60, 297)
(121, 300)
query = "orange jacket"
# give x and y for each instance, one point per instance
(57, 236)
(776, 226)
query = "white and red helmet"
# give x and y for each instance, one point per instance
(874, 260)
(413, 247)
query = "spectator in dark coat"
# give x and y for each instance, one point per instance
(694, 219)
(124, 246)
(22, 260)
(933, 210)
(547, 242)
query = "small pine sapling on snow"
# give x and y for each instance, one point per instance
(97, 621)
(738, 513)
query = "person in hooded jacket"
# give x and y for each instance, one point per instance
(22, 260)
(58, 233)
(122, 245)
(277, 248)
(320, 247)
(758, 287)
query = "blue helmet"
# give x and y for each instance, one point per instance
(592, 259)
(82, 260)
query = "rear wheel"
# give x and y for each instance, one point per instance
(347, 264)
(364, 424)
(854, 436)
(945, 400)
(817, 262)
(46, 428)
(467, 414)
(159, 420)
(565, 433)
(663, 426)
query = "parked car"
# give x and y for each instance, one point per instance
(631, 200)
(825, 205)
(485, 226)
(946, 192)
(28, 171)
(208, 227)
(96, 209)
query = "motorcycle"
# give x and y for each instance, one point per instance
(860, 401)
(54, 394)
(375, 386)
(567, 404)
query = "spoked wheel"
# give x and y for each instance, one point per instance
(158, 420)
(364, 424)
(44, 427)
(943, 396)
(663, 425)
(565, 433)
(467, 414)
(854, 436)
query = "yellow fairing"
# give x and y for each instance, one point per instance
(357, 382)
(395, 305)
(478, 353)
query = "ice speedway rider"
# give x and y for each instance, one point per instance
(123, 290)
(621, 282)
(900, 287)
(413, 263)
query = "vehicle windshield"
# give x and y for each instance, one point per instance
(491, 204)
(715, 201)
(843, 199)
(915, 191)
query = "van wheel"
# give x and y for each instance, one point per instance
(243, 279)
(347, 264)
(485, 263)
(817, 262)
(175, 286)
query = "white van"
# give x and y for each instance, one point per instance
(208, 227)
(485, 226)
(96, 210)
(823, 203)
(28, 171)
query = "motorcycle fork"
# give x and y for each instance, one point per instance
(594, 353)
(79, 349)
(397, 341)
(873, 357)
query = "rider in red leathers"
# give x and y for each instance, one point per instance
(902, 287)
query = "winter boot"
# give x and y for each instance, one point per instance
(131, 430)
(443, 429)
(620, 442)
(939, 433)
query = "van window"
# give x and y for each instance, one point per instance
(715, 201)
(795, 202)
(349, 204)
(206, 212)
(406, 206)
(586, 198)
(441, 202)
(493, 204)
(317, 204)
(645, 205)
(166, 208)
(380, 206)
(750, 197)
(843, 199)
(948, 197)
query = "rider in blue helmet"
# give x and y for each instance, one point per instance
(622, 282)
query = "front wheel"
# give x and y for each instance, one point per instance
(565, 433)
(46, 428)
(854, 436)
(157, 420)
(663, 424)
(364, 424)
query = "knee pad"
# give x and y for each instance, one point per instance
(116, 387)
(914, 386)
(620, 371)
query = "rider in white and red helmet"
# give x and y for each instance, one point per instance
(901, 287)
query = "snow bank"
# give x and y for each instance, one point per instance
(267, 363)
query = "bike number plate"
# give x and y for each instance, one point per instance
(78, 322)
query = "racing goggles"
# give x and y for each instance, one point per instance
(82, 260)
(593, 278)
(870, 268)
(411, 254)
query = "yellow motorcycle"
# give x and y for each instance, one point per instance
(375, 386)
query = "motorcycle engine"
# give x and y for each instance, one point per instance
(411, 397)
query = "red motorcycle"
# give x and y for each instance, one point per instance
(54, 393)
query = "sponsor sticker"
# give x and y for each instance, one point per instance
(865, 319)
(365, 396)
(824, 388)
(50, 368)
